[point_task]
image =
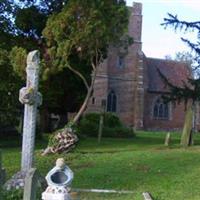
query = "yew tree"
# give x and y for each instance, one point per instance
(83, 31)
(21, 25)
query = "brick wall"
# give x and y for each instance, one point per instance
(176, 115)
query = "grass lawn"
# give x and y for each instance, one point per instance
(138, 164)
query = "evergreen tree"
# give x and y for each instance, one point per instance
(21, 25)
(189, 93)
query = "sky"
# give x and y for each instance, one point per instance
(157, 41)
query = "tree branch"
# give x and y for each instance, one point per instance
(173, 20)
(80, 75)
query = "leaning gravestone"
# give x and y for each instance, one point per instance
(31, 98)
(147, 196)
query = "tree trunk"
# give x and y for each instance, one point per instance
(83, 106)
(86, 101)
(186, 138)
(66, 139)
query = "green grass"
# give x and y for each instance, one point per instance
(136, 164)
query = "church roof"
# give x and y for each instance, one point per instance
(176, 72)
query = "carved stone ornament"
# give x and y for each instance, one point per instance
(58, 179)
(27, 96)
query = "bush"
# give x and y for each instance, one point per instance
(89, 125)
(118, 132)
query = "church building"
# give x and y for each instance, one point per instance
(128, 84)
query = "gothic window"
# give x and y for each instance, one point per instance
(160, 109)
(112, 102)
(121, 62)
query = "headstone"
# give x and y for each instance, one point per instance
(31, 98)
(59, 180)
(167, 139)
(100, 128)
(31, 182)
(147, 196)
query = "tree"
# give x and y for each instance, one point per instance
(82, 33)
(76, 38)
(19, 34)
(9, 84)
(84, 29)
(190, 91)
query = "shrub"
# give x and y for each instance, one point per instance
(89, 125)
(118, 132)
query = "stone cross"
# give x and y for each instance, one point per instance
(31, 98)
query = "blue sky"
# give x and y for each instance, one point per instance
(157, 41)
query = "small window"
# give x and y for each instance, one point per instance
(121, 62)
(112, 102)
(161, 109)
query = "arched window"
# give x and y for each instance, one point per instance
(160, 109)
(121, 62)
(112, 102)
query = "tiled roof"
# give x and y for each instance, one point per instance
(176, 72)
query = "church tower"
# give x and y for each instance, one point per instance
(119, 85)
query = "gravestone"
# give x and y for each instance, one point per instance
(100, 128)
(167, 139)
(31, 98)
(147, 196)
(31, 182)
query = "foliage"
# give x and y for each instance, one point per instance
(9, 88)
(185, 26)
(190, 91)
(83, 31)
(75, 32)
(84, 27)
(89, 125)
(18, 61)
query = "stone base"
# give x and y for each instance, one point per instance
(51, 196)
(16, 182)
